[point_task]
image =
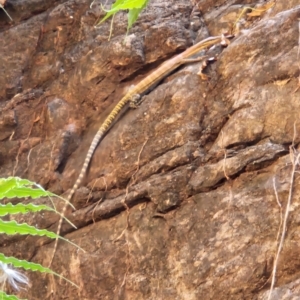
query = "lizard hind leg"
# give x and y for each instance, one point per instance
(135, 101)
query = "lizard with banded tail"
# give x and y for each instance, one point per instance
(131, 97)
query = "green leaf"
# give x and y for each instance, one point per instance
(110, 12)
(23, 192)
(133, 15)
(127, 4)
(114, 5)
(130, 4)
(12, 227)
(12, 187)
(138, 5)
(30, 266)
(4, 296)
(13, 181)
(108, 15)
(21, 208)
(24, 264)
(17, 187)
(9, 183)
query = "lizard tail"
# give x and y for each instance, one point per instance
(92, 148)
(100, 133)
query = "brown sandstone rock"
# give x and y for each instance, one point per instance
(179, 200)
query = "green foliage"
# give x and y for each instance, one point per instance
(12, 227)
(24, 264)
(14, 187)
(134, 7)
(18, 263)
(21, 208)
(133, 14)
(3, 296)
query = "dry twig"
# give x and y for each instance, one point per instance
(298, 59)
(295, 159)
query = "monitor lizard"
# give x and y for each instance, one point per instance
(134, 97)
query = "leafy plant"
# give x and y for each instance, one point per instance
(16, 187)
(134, 7)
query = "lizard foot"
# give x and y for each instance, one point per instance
(135, 101)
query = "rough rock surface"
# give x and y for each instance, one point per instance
(180, 198)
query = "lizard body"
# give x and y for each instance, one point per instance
(141, 88)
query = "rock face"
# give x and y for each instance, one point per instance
(185, 196)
